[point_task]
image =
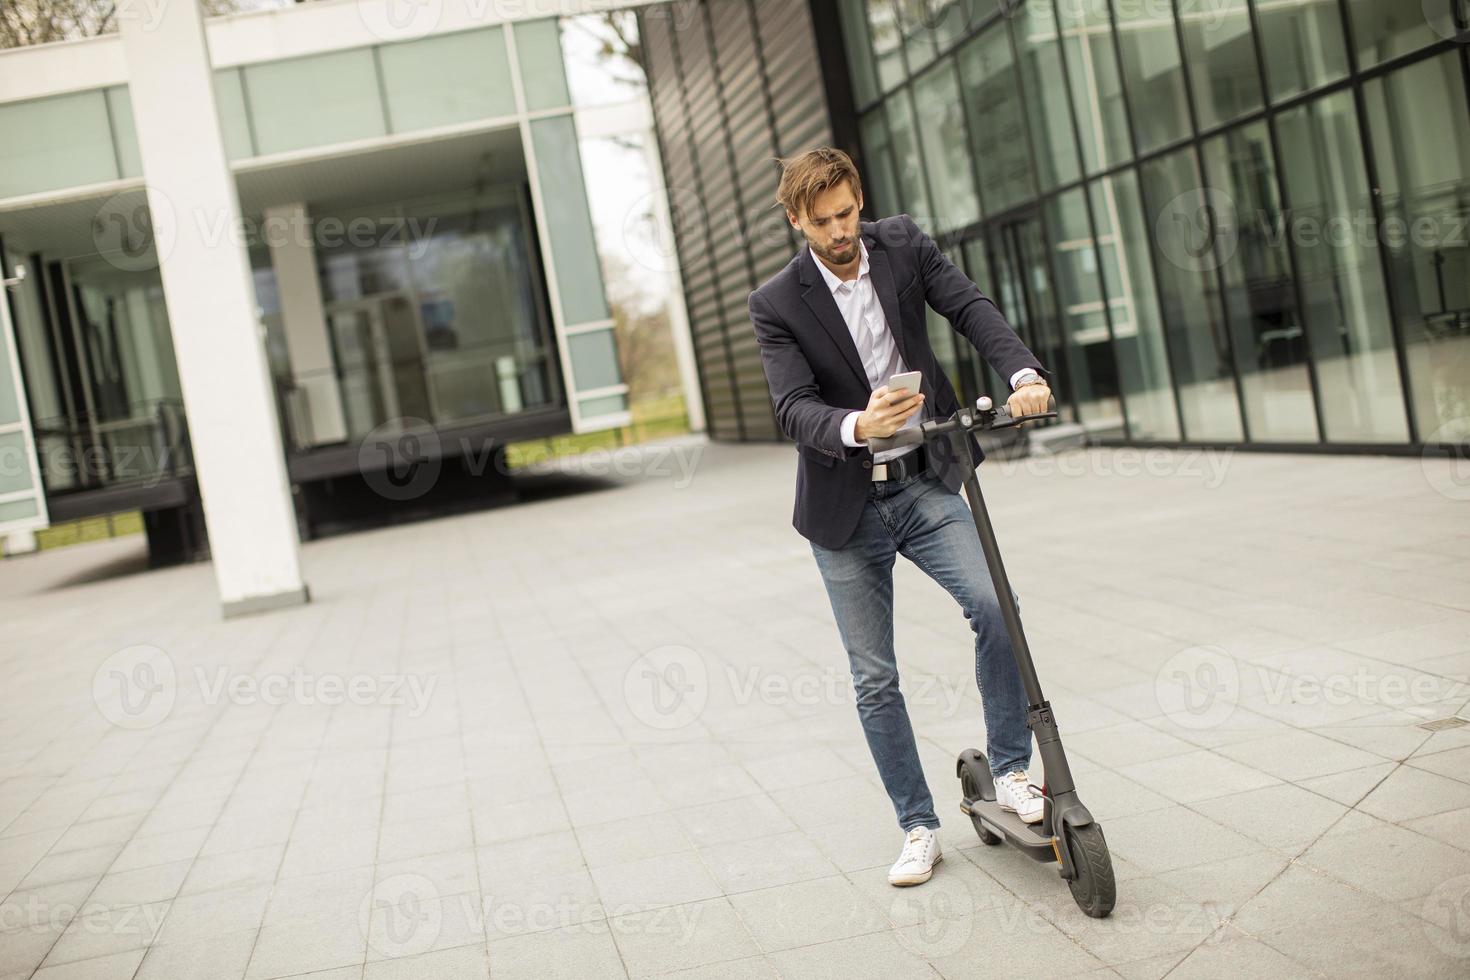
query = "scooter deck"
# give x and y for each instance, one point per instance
(1006, 824)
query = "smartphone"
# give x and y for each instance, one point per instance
(908, 381)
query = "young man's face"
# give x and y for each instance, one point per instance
(830, 225)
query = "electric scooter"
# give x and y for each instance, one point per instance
(1067, 833)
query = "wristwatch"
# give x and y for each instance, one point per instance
(1030, 378)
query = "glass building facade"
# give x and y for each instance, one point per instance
(1234, 222)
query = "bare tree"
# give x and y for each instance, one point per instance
(27, 22)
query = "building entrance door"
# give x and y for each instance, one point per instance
(379, 362)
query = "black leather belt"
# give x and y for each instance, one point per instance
(902, 467)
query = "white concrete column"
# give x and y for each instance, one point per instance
(218, 342)
(293, 256)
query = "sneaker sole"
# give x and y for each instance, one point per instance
(908, 880)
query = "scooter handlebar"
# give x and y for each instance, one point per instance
(999, 418)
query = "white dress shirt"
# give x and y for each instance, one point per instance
(857, 301)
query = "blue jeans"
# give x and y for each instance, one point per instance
(919, 518)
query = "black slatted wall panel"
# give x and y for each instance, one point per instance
(734, 84)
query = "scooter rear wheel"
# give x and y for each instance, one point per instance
(1094, 889)
(970, 784)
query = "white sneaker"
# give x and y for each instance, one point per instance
(920, 854)
(1016, 792)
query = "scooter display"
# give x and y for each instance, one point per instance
(1067, 833)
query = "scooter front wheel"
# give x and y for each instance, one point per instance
(1093, 888)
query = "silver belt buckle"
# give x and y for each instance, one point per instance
(880, 471)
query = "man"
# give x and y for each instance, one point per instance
(844, 316)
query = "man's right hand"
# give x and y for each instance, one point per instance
(886, 413)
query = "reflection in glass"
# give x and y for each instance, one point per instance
(1090, 363)
(1421, 144)
(946, 151)
(1199, 349)
(1303, 44)
(915, 198)
(1255, 270)
(1347, 317)
(1046, 101)
(1384, 29)
(859, 49)
(1092, 69)
(996, 120)
(1138, 331)
(918, 44)
(1221, 55)
(887, 51)
(1153, 72)
(880, 186)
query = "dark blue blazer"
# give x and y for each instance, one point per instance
(816, 377)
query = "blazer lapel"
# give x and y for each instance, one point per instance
(819, 299)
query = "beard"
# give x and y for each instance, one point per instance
(838, 256)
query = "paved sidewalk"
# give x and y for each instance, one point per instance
(610, 733)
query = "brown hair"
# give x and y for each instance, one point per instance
(808, 174)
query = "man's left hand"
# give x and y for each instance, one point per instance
(1028, 400)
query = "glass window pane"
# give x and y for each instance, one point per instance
(603, 405)
(1303, 44)
(356, 255)
(887, 42)
(1255, 270)
(946, 151)
(880, 186)
(859, 49)
(1221, 55)
(315, 101)
(1153, 72)
(1092, 67)
(953, 20)
(1341, 279)
(569, 224)
(229, 99)
(60, 141)
(601, 55)
(451, 78)
(538, 49)
(918, 35)
(1046, 101)
(1138, 331)
(906, 158)
(1199, 350)
(594, 359)
(996, 120)
(121, 109)
(1420, 134)
(1384, 29)
(1090, 362)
